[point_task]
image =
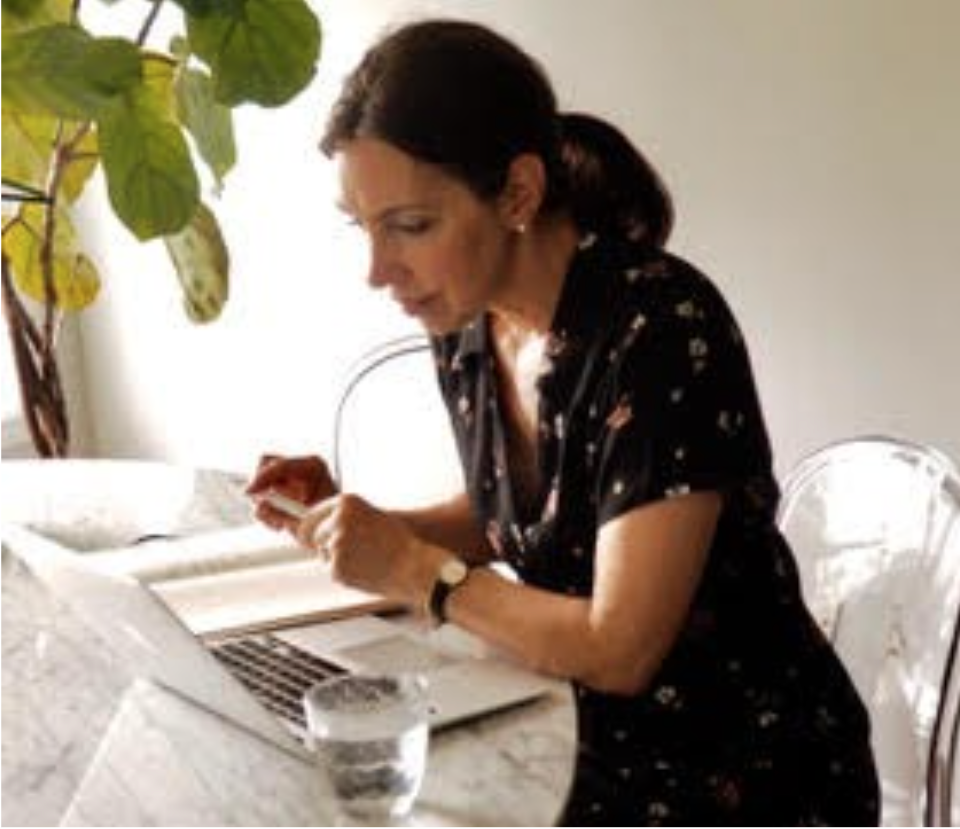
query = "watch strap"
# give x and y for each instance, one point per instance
(438, 600)
(440, 593)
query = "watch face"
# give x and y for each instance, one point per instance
(453, 571)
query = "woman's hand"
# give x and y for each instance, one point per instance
(305, 479)
(371, 549)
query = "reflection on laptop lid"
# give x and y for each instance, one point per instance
(156, 645)
(143, 632)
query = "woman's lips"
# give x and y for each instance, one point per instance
(414, 306)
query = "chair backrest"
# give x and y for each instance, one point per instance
(875, 525)
(393, 442)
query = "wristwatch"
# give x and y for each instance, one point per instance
(453, 572)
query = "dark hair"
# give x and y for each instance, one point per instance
(610, 182)
(462, 97)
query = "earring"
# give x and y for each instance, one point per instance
(521, 228)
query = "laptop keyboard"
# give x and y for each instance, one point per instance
(276, 672)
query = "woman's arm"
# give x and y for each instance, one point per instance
(648, 567)
(450, 524)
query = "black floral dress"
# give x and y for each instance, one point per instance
(649, 394)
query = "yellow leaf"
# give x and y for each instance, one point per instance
(81, 287)
(29, 142)
(159, 73)
(27, 148)
(75, 279)
(84, 159)
(203, 265)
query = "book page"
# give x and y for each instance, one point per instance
(220, 551)
(265, 597)
(238, 580)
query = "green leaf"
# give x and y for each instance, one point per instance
(151, 180)
(203, 265)
(262, 51)
(199, 8)
(210, 123)
(61, 70)
(28, 14)
(75, 279)
(159, 73)
(179, 47)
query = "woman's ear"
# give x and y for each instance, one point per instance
(523, 192)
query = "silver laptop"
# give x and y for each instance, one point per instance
(257, 681)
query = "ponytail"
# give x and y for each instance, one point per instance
(608, 185)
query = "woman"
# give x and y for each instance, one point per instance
(613, 445)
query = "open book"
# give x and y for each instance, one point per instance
(240, 579)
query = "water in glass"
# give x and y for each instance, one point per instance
(371, 734)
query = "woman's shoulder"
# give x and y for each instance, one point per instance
(662, 284)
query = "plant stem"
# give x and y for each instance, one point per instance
(35, 349)
(38, 376)
(46, 243)
(22, 192)
(148, 22)
(62, 156)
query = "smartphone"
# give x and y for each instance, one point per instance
(295, 509)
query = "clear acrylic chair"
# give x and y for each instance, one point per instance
(393, 442)
(875, 525)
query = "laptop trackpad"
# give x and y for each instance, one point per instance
(392, 654)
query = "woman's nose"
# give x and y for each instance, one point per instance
(377, 275)
(382, 271)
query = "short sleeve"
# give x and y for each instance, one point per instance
(679, 409)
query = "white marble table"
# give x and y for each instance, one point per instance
(85, 742)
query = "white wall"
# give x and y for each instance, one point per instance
(812, 147)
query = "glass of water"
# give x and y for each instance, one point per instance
(371, 735)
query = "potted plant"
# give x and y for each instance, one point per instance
(75, 102)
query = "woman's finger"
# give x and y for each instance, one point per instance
(316, 528)
(272, 517)
(270, 469)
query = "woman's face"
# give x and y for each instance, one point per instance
(443, 253)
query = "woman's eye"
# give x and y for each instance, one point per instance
(413, 227)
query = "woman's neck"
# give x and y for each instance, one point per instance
(528, 299)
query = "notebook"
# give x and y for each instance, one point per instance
(464, 682)
(238, 579)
